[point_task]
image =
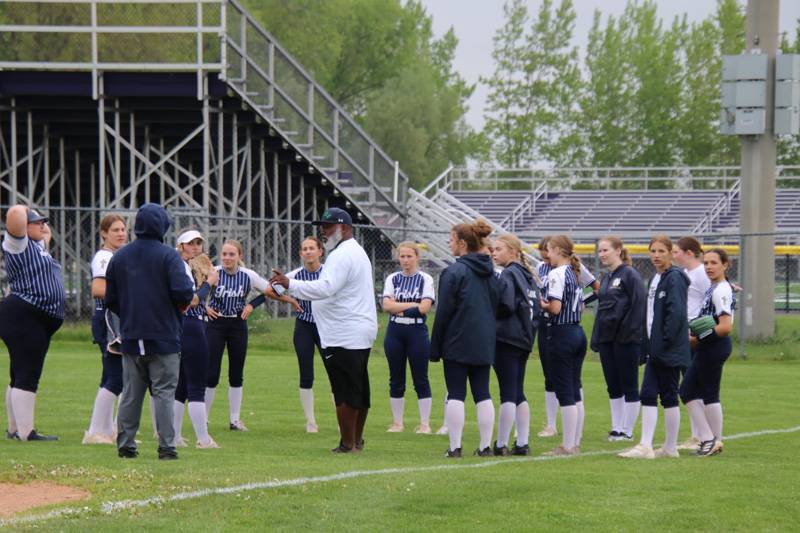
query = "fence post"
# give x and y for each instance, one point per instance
(787, 275)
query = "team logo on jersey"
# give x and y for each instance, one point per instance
(724, 300)
(615, 283)
(103, 263)
(662, 294)
(552, 282)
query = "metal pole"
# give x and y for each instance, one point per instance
(743, 283)
(787, 272)
(14, 186)
(758, 184)
(101, 141)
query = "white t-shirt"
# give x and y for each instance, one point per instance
(344, 298)
(100, 263)
(698, 285)
(651, 300)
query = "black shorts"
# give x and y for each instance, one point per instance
(347, 372)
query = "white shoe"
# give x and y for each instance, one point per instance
(690, 444)
(209, 444)
(640, 451)
(311, 427)
(561, 451)
(663, 452)
(442, 430)
(423, 429)
(180, 442)
(238, 425)
(97, 438)
(395, 428)
(547, 432)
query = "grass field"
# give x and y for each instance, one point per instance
(402, 481)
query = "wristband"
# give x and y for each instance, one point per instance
(258, 300)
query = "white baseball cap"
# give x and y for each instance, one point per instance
(189, 236)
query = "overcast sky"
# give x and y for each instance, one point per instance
(475, 23)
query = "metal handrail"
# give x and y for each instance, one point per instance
(439, 182)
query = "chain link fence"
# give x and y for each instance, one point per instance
(272, 243)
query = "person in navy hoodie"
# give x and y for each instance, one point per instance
(464, 332)
(517, 311)
(147, 287)
(617, 334)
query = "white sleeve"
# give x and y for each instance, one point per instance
(555, 284)
(723, 299)
(14, 245)
(331, 280)
(256, 281)
(100, 263)
(388, 286)
(427, 287)
(293, 273)
(586, 277)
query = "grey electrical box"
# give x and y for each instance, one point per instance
(787, 121)
(744, 67)
(787, 67)
(750, 121)
(751, 94)
(744, 94)
(787, 94)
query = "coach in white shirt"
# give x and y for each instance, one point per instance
(344, 310)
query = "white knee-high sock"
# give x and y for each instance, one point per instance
(24, 403)
(569, 425)
(672, 425)
(398, 406)
(197, 414)
(695, 430)
(505, 420)
(697, 414)
(425, 411)
(522, 420)
(579, 425)
(551, 408)
(485, 411)
(235, 402)
(307, 401)
(617, 413)
(630, 414)
(714, 417)
(177, 410)
(12, 421)
(103, 413)
(211, 392)
(454, 418)
(649, 421)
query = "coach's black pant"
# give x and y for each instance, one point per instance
(660, 381)
(26, 331)
(305, 338)
(194, 362)
(566, 350)
(230, 332)
(347, 371)
(621, 369)
(704, 376)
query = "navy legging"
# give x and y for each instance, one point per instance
(566, 349)
(456, 375)
(305, 338)
(230, 332)
(407, 342)
(509, 365)
(111, 378)
(621, 369)
(543, 359)
(704, 376)
(194, 362)
(660, 381)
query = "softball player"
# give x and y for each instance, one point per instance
(194, 347)
(617, 334)
(306, 336)
(566, 342)
(227, 312)
(101, 430)
(29, 315)
(408, 296)
(517, 310)
(667, 349)
(700, 387)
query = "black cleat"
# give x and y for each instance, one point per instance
(614, 436)
(33, 435)
(501, 451)
(709, 447)
(341, 448)
(453, 453)
(167, 454)
(486, 452)
(128, 453)
(520, 450)
(12, 436)
(359, 445)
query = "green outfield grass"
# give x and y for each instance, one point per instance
(753, 485)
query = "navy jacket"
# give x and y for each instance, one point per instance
(147, 285)
(622, 312)
(517, 307)
(669, 338)
(464, 328)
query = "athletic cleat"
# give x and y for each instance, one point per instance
(614, 436)
(443, 431)
(311, 427)
(359, 445)
(626, 437)
(709, 447)
(547, 432)
(341, 448)
(167, 454)
(665, 453)
(520, 450)
(209, 444)
(128, 453)
(35, 436)
(423, 429)
(486, 452)
(453, 453)
(690, 444)
(560, 451)
(640, 451)
(12, 436)
(500, 451)
(396, 428)
(238, 425)
(97, 438)
(180, 442)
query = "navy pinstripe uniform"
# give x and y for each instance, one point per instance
(306, 336)
(111, 378)
(566, 341)
(228, 300)
(407, 335)
(703, 378)
(194, 351)
(33, 311)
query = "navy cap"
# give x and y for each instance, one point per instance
(334, 215)
(34, 216)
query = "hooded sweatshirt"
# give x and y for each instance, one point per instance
(147, 286)
(464, 329)
(668, 343)
(518, 307)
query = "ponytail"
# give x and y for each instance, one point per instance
(575, 263)
(616, 243)
(564, 244)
